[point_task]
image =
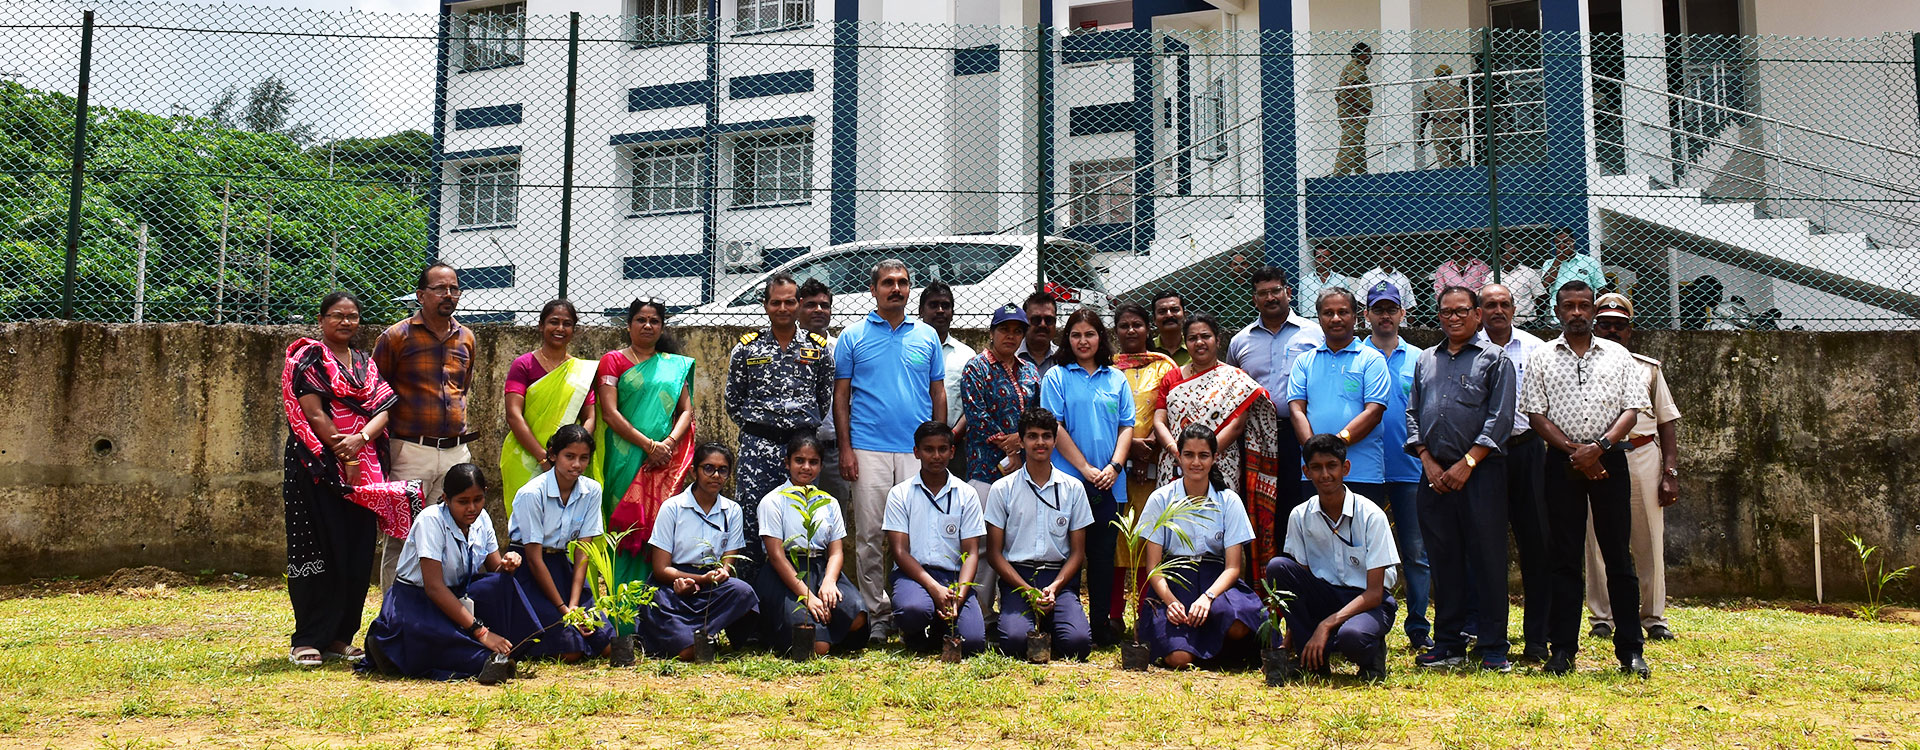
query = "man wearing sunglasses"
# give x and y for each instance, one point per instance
(1037, 350)
(1582, 395)
(1654, 479)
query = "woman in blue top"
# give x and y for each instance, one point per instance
(824, 596)
(1211, 612)
(696, 537)
(1095, 406)
(448, 569)
(553, 510)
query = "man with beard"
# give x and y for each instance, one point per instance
(1265, 350)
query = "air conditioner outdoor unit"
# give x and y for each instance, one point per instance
(743, 255)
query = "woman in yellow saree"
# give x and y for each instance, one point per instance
(645, 430)
(546, 388)
(1144, 368)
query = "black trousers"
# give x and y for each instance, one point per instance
(1102, 543)
(1569, 497)
(328, 603)
(1466, 539)
(1527, 517)
(1286, 453)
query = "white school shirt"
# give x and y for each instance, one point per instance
(436, 536)
(935, 521)
(696, 538)
(1341, 551)
(781, 520)
(1038, 519)
(541, 516)
(1210, 531)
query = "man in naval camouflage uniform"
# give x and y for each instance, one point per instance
(779, 384)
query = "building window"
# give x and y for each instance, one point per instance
(772, 169)
(495, 37)
(488, 193)
(1210, 120)
(669, 21)
(1096, 201)
(666, 178)
(769, 15)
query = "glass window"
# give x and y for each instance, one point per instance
(1070, 264)
(489, 193)
(1099, 202)
(495, 37)
(669, 21)
(767, 15)
(666, 178)
(773, 169)
(1210, 118)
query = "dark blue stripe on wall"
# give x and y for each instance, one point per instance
(480, 153)
(486, 277)
(842, 175)
(665, 266)
(770, 84)
(710, 162)
(774, 256)
(441, 54)
(683, 94)
(1095, 119)
(1044, 50)
(684, 134)
(1183, 116)
(1280, 216)
(1104, 45)
(974, 61)
(486, 117)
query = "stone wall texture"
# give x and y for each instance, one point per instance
(161, 445)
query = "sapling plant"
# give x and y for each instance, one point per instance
(810, 503)
(1040, 638)
(614, 604)
(1876, 577)
(1274, 659)
(712, 558)
(950, 647)
(1135, 528)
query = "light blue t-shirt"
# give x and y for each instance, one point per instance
(696, 538)
(1336, 386)
(1210, 531)
(436, 536)
(891, 371)
(541, 516)
(1091, 408)
(934, 520)
(1400, 466)
(781, 520)
(1038, 519)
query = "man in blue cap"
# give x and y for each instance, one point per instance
(1385, 315)
(1340, 388)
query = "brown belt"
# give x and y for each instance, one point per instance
(1639, 442)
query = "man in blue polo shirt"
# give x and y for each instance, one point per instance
(1384, 317)
(1340, 388)
(888, 378)
(1265, 350)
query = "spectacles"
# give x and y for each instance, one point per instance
(343, 318)
(1455, 312)
(445, 290)
(1043, 320)
(1583, 370)
(715, 470)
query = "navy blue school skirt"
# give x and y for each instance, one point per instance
(1208, 641)
(522, 615)
(670, 622)
(780, 610)
(419, 640)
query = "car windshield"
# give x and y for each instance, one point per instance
(1070, 264)
(956, 263)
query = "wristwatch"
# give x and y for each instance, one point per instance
(1673, 471)
(1471, 464)
(1346, 437)
(1606, 445)
(474, 628)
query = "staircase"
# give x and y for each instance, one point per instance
(1199, 258)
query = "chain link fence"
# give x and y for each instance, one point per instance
(232, 164)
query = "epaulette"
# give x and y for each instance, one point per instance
(817, 339)
(749, 337)
(1647, 359)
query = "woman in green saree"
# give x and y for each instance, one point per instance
(645, 430)
(546, 388)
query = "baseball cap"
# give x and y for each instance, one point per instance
(1007, 313)
(1616, 305)
(1384, 291)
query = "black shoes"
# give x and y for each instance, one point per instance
(1559, 664)
(1600, 630)
(1636, 665)
(1535, 653)
(1659, 633)
(1375, 667)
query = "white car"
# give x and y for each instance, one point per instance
(985, 271)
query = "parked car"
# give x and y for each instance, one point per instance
(985, 271)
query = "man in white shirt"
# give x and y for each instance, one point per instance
(1526, 462)
(1388, 271)
(936, 309)
(1321, 277)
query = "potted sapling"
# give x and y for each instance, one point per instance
(808, 502)
(613, 606)
(705, 644)
(1135, 527)
(1040, 637)
(1276, 662)
(952, 646)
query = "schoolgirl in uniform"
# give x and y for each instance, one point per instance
(693, 537)
(831, 601)
(554, 509)
(451, 561)
(1212, 612)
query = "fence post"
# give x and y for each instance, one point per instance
(76, 182)
(1492, 161)
(1043, 143)
(566, 177)
(1916, 71)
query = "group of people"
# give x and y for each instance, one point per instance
(980, 507)
(1533, 289)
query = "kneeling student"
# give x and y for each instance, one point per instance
(426, 626)
(1037, 521)
(1338, 564)
(553, 510)
(1211, 612)
(824, 597)
(934, 527)
(698, 530)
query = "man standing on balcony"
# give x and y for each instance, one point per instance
(1653, 464)
(1169, 323)
(1353, 104)
(1387, 271)
(1321, 277)
(1443, 114)
(1570, 262)
(1522, 285)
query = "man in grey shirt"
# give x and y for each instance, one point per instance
(1458, 418)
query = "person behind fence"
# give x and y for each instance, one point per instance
(428, 359)
(996, 387)
(1443, 115)
(1353, 103)
(1526, 464)
(1386, 270)
(1169, 322)
(936, 539)
(1042, 313)
(1340, 388)
(816, 315)
(1320, 277)
(889, 375)
(1401, 472)
(645, 432)
(551, 512)
(1338, 568)
(1522, 282)
(1265, 350)
(546, 388)
(1570, 263)
(1243, 418)
(1582, 396)
(804, 578)
(1206, 612)
(779, 386)
(1037, 521)
(1457, 421)
(936, 309)
(1462, 268)
(694, 543)
(1143, 369)
(450, 569)
(1095, 408)
(1653, 464)
(334, 489)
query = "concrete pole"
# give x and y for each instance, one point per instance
(140, 276)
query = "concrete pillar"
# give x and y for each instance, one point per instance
(1393, 106)
(1644, 47)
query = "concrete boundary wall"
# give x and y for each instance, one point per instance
(124, 445)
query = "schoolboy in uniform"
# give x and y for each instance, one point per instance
(933, 524)
(1339, 564)
(1037, 521)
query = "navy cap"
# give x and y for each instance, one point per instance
(1009, 313)
(1385, 291)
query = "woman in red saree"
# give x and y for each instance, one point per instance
(335, 491)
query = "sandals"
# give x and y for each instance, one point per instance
(305, 656)
(352, 655)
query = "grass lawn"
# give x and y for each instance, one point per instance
(193, 666)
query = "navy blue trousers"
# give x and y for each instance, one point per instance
(1072, 636)
(1360, 639)
(920, 625)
